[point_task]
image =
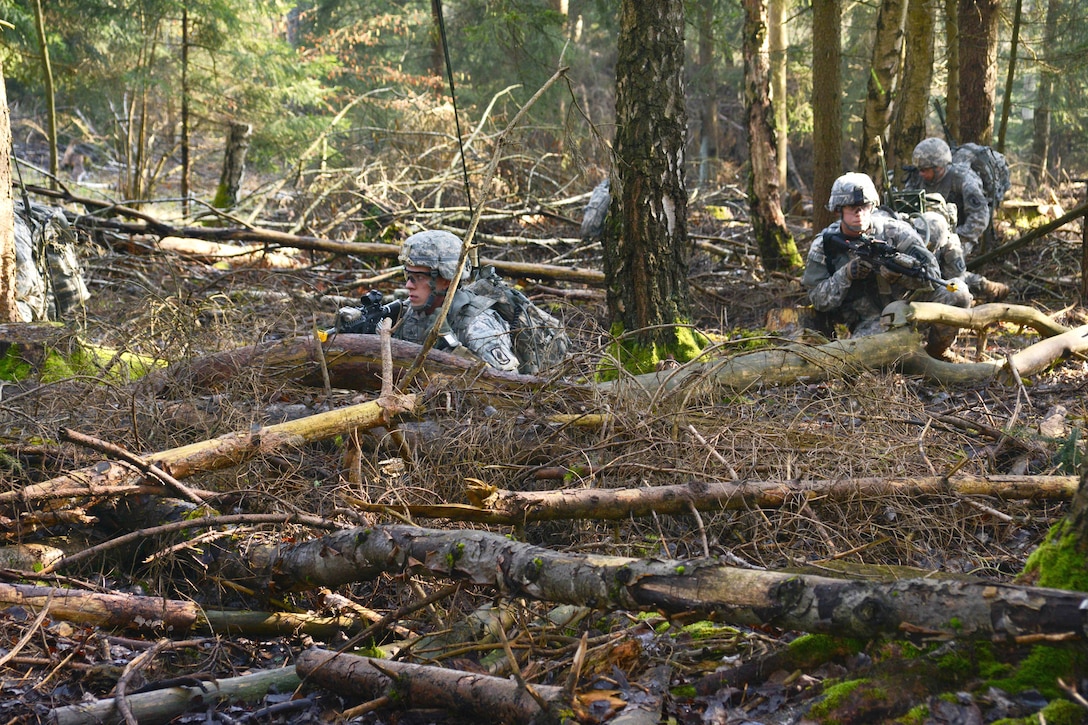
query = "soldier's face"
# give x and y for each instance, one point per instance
(931, 173)
(856, 218)
(418, 281)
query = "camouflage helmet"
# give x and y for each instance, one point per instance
(932, 227)
(435, 249)
(932, 152)
(853, 189)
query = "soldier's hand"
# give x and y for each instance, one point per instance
(858, 269)
(889, 275)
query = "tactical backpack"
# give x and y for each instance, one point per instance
(540, 342)
(990, 166)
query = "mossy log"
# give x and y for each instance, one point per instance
(161, 706)
(490, 505)
(493, 699)
(931, 608)
(49, 351)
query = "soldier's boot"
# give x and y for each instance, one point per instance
(939, 340)
(992, 291)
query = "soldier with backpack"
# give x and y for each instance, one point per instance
(488, 319)
(963, 188)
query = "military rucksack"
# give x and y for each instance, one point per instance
(49, 277)
(540, 341)
(990, 166)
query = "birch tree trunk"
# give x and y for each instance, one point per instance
(9, 312)
(884, 84)
(912, 104)
(777, 248)
(645, 244)
(973, 609)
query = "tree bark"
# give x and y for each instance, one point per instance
(978, 20)
(952, 64)
(234, 164)
(885, 81)
(912, 105)
(1040, 141)
(162, 706)
(1006, 101)
(494, 699)
(777, 248)
(826, 106)
(645, 254)
(9, 312)
(513, 508)
(946, 609)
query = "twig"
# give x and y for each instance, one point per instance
(116, 451)
(702, 529)
(28, 633)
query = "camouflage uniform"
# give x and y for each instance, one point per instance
(859, 303)
(471, 322)
(962, 188)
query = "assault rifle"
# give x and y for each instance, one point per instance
(879, 253)
(372, 312)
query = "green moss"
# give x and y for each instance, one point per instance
(834, 697)
(1057, 561)
(815, 649)
(82, 359)
(915, 716)
(684, 692)
(637, 358)
(1062, 712)
(1041, 669)
(705, 629)
(12, 366)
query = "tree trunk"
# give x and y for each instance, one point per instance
(706, 79)
(9, 312)
(778, 45)
(826, 106)
(1006, 101)
(952, 64)
(50, 94)
(645, 241)
(884, 86)
(983, 610)
(485, 697)
(912, 105)
(1040, 142)
(186, 167)
(234, 165)
(777, 249)
(978, 21)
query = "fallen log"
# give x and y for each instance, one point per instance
(490, 505)
(156, 614)
(222, 452)
(935, 609)
(901, 313)
(353, 361)
(161, 706)
(494, 699)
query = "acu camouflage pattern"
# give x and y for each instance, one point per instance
(858, 304)
(472, 323)
(962, 187)
(49, 281)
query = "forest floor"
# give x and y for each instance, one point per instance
(176, 308)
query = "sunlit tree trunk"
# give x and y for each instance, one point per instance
(1040, 142)
(50, 96)
(1006, 103)
(884, 82)
(779, 43)
(777, 248)
(8, 310)
(645, 241)
(978, 69)
(186, 171)
(826, 106)
(909, 114)
(952, 48)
